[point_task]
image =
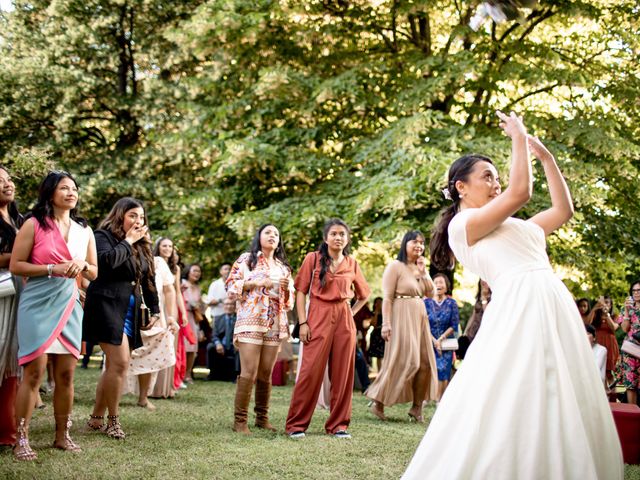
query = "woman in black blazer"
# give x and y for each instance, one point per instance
(112, 309)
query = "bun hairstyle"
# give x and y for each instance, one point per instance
(442, 257)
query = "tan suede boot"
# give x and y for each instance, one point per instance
(244, 386)
(263, 394)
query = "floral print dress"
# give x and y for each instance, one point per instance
(441, 317)
(628, 373)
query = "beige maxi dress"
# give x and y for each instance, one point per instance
(410, 342)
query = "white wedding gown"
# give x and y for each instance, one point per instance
(528, 402)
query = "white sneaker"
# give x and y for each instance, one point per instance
(297, 435)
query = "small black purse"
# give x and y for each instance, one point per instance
(145, 313)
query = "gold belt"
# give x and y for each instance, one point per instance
(408, 296)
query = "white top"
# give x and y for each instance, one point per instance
(78, 242)
(218, 292)
(600, 356)
(163, 278)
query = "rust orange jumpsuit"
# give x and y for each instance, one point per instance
(333, 340)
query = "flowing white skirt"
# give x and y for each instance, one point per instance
(527, 402)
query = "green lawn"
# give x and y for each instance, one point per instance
(191, 437)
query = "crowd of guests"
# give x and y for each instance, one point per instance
(62, 284)
(615, 338)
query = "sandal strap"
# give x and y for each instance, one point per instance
(22, 450)
(114, 429)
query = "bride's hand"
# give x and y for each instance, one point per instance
(512, 125)
(538, 149)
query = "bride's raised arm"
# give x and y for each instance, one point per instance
(561, 209)
(491, 214)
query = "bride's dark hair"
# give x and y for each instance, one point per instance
(442, 257)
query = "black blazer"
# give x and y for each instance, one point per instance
(108, 295)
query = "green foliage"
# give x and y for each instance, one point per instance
(223, 114)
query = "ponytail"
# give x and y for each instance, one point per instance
(442, 257)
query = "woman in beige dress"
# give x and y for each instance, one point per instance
(408, 373)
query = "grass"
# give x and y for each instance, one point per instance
(191, 437)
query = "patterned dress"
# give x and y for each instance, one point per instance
(441, 317)
(628, 373)
(261, 312)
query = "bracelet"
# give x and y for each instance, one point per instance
(50, 270)
(86, 267)
(301, 323)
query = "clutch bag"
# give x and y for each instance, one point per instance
(449, 344)
(631, 348)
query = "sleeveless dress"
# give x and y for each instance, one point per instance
(528, 401)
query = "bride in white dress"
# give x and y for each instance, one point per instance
(528, 402)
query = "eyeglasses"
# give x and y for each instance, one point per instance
(635, 290)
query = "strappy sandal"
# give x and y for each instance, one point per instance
(63, 422)
(114, 429)
(415, 415)
(92, 426)
(22, 450)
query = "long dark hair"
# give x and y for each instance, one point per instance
(599, 314)
(442, 257)
(412, 235)
(8, 231)
(256, 248)
(114, 223)
(43, 208)
(325, 258)
(173, 266)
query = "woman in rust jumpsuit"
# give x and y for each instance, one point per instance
(331, 278)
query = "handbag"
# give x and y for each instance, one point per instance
(449, 344)
(631, 348)
(145, 313)
(7, 288)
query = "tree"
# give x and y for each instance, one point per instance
(292, 112)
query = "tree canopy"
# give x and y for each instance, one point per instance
(225, 114)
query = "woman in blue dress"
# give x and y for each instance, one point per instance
(443, 319)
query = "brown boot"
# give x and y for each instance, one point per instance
(244, 386)
(63, 425)
(22, 450)
(263, 393)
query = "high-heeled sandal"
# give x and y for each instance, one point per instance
(114, 429)
(64, 422)
(92, 426)
(22, 450)
(377, 411)
(414, 416)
